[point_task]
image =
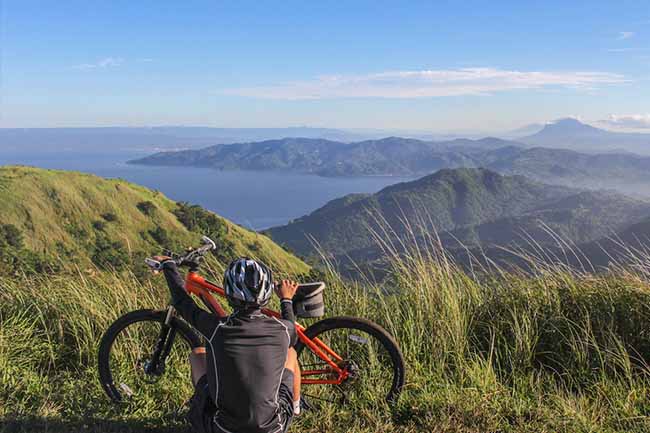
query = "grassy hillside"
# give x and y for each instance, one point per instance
(467, 207)
(555, 352)
(52, 218)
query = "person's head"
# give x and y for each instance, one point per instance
(248, 283)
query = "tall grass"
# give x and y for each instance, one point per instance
(548, 350)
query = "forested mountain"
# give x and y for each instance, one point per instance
(467, 207)
(387, 156)
(625, 172)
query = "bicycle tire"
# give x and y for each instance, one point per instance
(371, 328)
(107, 340)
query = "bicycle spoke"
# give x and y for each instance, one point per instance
(365, 360)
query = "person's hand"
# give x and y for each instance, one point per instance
(160, 259)
(286, 289)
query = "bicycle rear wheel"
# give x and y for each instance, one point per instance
(369, 354)
(127, 351)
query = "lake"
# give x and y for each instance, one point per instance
(256, 200)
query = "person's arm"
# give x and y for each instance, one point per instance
(286, 309)
(200, 319)
(286, 291)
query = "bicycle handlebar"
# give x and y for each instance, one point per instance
(191, 258)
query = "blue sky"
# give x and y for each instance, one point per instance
(435, 65)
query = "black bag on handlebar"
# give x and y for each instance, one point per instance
(308, 300)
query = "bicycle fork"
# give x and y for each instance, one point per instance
(156, 365)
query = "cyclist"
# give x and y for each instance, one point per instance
(247, 378)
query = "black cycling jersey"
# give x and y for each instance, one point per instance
(246, 354)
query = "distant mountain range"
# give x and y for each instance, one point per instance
(468, 208)
(139, 140)
(387, 156)
(564, 133)
(103, 140)
(626, 172)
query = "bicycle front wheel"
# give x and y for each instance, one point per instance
(143, 360)
(369, 355)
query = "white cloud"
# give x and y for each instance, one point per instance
(106, 62)
(625, 35)
(426, 83)
(627, 121)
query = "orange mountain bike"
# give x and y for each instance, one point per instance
(342, 358)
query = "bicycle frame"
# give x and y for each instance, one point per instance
(206, 291)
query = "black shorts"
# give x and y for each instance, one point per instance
(202, 408)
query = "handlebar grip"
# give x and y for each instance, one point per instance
(191, 258)
(153, 264)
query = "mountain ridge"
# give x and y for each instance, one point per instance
(625, 172)
(385, 156)
(465, 207)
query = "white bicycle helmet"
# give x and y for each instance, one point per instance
(248, 283)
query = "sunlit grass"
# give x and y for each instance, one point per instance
(551, 349)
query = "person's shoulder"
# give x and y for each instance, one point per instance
(280, 324)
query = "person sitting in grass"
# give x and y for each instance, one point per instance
(247, 377)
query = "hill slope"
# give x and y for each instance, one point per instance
(625, 172)
(82, 219)
(477, 207)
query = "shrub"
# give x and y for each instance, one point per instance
(146, 207)
(197, 219)
(109, 254)
(160, 235)
(255, 246)
(12, 235)
(76, 231)
(109, 217)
